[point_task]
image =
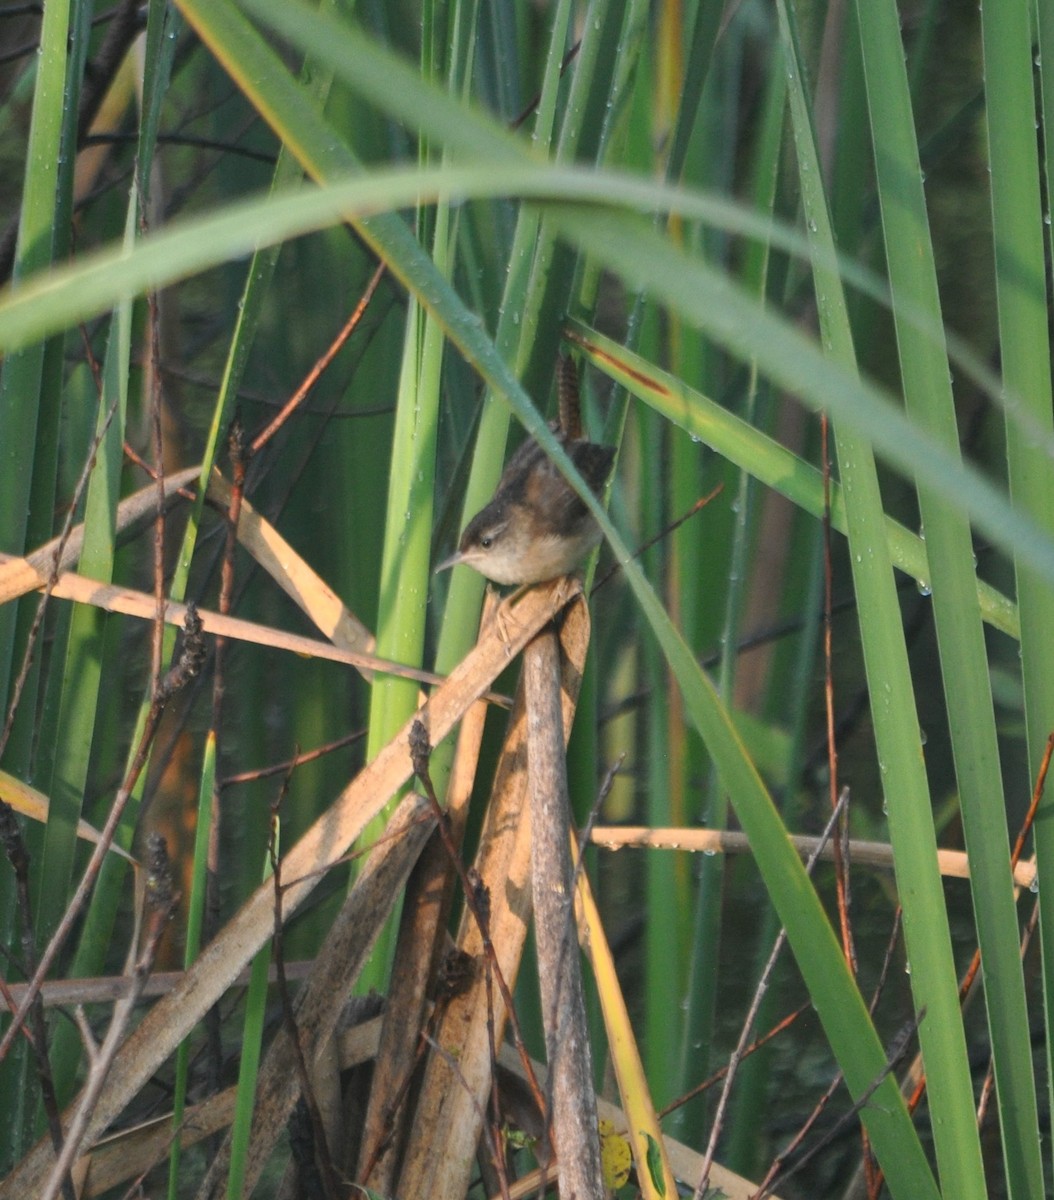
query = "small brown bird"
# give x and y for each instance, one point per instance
(536, 526)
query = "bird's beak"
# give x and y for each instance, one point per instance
(447, 563)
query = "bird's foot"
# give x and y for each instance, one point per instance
(505, 618)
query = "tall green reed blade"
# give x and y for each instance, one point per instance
(1045, 42)
(1045, 35)
(767, 460)
(53, 444)
(1024, 345)
(893, 711)
(31, 378)
(675, 87)
(964, 660)
(29, 411)
(402, 606)
(97, 931)
(80, 699)
(20, 379)
(81, 675)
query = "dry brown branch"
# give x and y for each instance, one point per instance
(351, 640)
(30, 802)
(573, 1108)
(105, 989)
(293, 575)
(132, 603)
(952, 863)
(19, 576)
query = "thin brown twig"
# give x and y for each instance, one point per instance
(313, 376)
(533, 103)
(780, 1160)
(139, 461)
(778, 1173)
(1033, 808)
(759, 1042)
(1015, 854)
(208, 382)
(840, 873)
(290, 764)
(585, 834)
(666, 530)
(872, 1171)
(90, 359)
(887, 961)
(157, 642)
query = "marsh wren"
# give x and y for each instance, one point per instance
(536, 526)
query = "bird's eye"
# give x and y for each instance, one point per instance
(486, 542)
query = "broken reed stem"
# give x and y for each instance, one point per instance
(574, 1112)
